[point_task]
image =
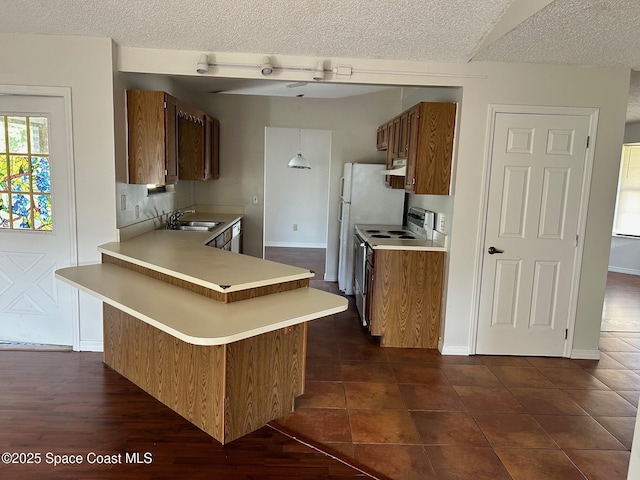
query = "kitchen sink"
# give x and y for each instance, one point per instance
(197, 225)
(196, 228)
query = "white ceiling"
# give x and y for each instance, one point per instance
(577, 32)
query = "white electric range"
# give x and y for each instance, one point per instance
(418, 233)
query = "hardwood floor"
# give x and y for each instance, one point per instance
(621, 310)
(62, 403)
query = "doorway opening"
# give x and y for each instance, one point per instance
(296, 201)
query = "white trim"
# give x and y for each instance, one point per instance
(330, 278)
(295, 245)
(628, 271)
(65, 94)
(494, 109)
(585, 354)
(455, 350)
(91, 346)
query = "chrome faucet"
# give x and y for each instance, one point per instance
(172, 222)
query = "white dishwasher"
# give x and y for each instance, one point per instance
(236, 232)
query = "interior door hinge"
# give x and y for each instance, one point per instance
(566, 333)
(588, 140)
(165, 105)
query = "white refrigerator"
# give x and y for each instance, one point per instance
(364, 198)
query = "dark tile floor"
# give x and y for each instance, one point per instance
(415, 414)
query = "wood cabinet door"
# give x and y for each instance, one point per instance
(403, 137)
(393, 135)
(191, 144)
(215, 149)
(211, 148)
(413, 133)
(146, 137)
(435, 148)
(170, 140)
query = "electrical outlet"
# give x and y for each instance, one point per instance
(137, 212)
(295, 227)
(123, 202)
(442, 222)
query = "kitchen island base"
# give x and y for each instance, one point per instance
(226, 390)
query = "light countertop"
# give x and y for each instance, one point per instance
(438, 244)
(185, 255)
(194, 318)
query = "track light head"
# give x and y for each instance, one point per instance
(267, 68)
(318, 73)
(203, 64)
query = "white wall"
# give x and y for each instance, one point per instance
(86, 67)
(296, 196)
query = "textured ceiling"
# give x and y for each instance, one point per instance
(581, 32)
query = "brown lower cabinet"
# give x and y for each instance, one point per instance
(225, 390)
(404, 297)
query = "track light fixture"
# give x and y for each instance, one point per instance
(267, 68)
(318, 73)
(203, 64)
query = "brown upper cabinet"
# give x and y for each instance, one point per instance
(382, 137)
(212, 149)
(168, 140)
(424, 136)
(152, 137)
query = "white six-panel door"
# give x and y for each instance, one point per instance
(535, 187)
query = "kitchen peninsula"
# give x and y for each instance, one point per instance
(219, 337)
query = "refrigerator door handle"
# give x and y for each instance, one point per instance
(340, 213)
(342, 186)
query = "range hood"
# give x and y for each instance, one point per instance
(399, 168)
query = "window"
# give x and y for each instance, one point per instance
(25, 173)
(627, 221)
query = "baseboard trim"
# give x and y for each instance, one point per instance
(585, 354)
(628, 271)
(90, 346)
(455, 350)
(330, 278)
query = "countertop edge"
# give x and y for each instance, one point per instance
(198, 281)
(73, 276)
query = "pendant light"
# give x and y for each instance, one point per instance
(299, 161)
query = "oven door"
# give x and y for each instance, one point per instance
(359, 265)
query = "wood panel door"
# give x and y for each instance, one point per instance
(536, 184)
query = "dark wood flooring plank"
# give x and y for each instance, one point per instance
(71, 403)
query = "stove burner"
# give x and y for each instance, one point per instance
(372, 231)
(411, 237)
(397, 232)
(379, 235)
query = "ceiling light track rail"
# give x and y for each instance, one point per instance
(266, 68)
(319, 72)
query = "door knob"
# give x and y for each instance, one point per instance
(493, 250)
